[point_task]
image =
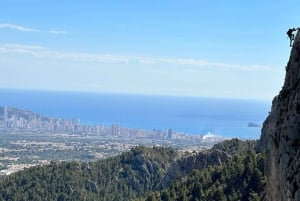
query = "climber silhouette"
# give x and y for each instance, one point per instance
(291, 35)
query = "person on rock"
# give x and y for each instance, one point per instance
(291, 35)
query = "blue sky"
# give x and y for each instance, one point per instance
(228, 49)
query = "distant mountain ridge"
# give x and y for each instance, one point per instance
(14, 118)
(8, 113)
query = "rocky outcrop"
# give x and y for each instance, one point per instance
(281, 135)
(186, 165)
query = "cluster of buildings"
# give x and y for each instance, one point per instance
(15, 119)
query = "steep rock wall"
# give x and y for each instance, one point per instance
(281, 135)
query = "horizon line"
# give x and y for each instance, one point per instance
(133, 94)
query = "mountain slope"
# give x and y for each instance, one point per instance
(119, 178)
(130, 175)
(238, 179)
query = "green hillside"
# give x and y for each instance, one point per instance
(129, 175)
(239, 179)
(139, 174)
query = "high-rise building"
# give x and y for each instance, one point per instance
(170, 133)
(5, 113)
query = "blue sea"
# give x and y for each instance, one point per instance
(225, 117)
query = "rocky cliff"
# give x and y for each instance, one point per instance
(281, 135)
(186, 165)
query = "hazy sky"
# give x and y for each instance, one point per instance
(211, 48)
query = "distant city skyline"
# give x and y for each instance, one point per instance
(196, 48)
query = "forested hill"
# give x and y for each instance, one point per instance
(139, 174)
(129, 175)
(240, 178)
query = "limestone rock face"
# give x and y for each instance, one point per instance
(281, 135)
(186, 165)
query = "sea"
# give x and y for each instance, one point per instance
(229, 118)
